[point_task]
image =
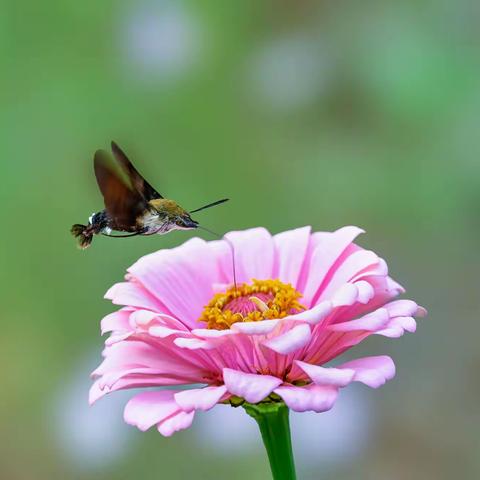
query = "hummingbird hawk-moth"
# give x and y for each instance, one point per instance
(132, 205)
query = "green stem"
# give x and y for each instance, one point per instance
(272, 418)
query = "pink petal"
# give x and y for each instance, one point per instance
(116, 321)
(117, 337)
(183, 285)
(142, 318)
(291, 247)
(149, 408)
(421, 312)
(347, 294)
(95, 393)
(406, 323)
(356, 262)
(221, 251)
(200, 398)
(146, 318)
(291, 340)
(337, 344)
(365, 291)
(370, 322)
(392, 285)
(193, 343)
(384, 290)
(402, 308)
(372, 371)
(133, 354)
(110, 379)
(253, 388)
(380, 269)
(256, 328)
(210, 333)
(133, 382)
(325, 255)
(179, 421)
(254, 253)
(391, 332)
(313, 397)
(165, 332)
(133, 295)
(337, 377)
(314, 315)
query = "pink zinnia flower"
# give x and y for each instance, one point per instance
(302, 300)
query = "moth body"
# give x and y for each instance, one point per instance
(132, 205)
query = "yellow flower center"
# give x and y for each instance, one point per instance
(260, 300)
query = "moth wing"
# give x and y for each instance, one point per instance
(122, 202)
(138, 182)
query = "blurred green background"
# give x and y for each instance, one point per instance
(302, 112)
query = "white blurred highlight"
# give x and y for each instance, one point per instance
(325, 439)
(90, 437)
(161, 40)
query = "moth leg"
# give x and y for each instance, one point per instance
(121, 236)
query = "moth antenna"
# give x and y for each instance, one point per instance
(232, 249)
(218, 202)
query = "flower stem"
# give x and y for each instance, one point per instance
(272, 418)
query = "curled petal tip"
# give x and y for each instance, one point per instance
(421, 312)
